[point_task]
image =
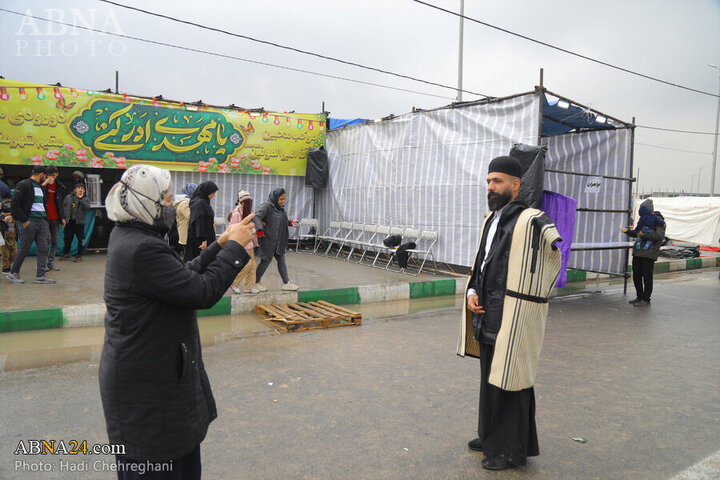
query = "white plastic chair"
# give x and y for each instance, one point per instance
(341, 235)
(366, 241)
(352, 240)
(390, 251)
(312, 225)
(428, 238)
(330, 233)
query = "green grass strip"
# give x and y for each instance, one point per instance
(20, 320)
(338, 296)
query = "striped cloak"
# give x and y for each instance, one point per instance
(533, 267)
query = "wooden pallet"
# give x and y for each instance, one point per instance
(295, 317)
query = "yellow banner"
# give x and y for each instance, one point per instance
(45, 125)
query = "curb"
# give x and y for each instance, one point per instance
(92, 314)
(665, 266)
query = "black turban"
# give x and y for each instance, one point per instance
(507, 165)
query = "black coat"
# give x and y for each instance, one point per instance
(490, 283)
(155, 393)
(60, 194)
(202, 218)
(23, 199)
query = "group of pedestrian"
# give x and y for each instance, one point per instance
(195, 227)
(39, 206)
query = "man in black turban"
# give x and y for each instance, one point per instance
(506, 423)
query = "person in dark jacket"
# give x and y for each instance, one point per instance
(272, 224)
(74, 210)
(55, 193)
(506, 421)
(645, 251)
(201, 229)
(28, 208)
(155, 391)
(4, 190)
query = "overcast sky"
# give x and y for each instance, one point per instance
(671, 40)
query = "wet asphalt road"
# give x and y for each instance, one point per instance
(390, 399)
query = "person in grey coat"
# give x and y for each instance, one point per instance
(73, 219)
(272, 224)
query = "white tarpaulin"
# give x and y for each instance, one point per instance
(425, 170)
(689, 219)
(602, 202)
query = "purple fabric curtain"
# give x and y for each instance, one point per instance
(561, 210)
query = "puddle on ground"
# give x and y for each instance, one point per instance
(39, 348)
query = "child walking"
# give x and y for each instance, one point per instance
(243, 208)
(9, 249)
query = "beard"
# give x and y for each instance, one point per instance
(498, 200)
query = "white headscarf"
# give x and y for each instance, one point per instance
(138, 195)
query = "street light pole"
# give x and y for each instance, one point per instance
(717, 125)
(692, 182)
(460, 52)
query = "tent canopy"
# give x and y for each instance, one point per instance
(344, 122)
(560, 117)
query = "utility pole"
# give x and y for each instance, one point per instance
(460, 52)
(717, 125)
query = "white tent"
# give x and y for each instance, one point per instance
(690, 219)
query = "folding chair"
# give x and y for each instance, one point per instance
(375, 241)
(312, 225)
(430, 238)
(349, 237)
(369, 232)
(390, 251)
(356, 232)
(331, 232)
(409, 235)
(342, 233)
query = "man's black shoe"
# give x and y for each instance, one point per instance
(496, 464)
(642, 303)
(475, 445)
(632, 302)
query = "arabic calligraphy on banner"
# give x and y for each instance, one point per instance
(66, 127)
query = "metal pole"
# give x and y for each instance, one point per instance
(630, 202)
(460, 51)
(117, 81)
(717, 125)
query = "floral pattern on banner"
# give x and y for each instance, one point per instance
(68, 156)
(240, 164)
